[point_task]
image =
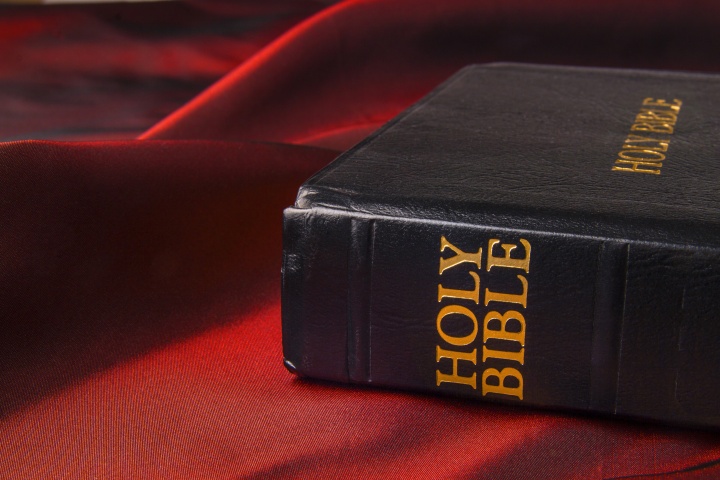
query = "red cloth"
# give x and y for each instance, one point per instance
(139, 279)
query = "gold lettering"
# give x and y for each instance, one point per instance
(648, 115)
(473, 295)
(502, 333)
(459, 257)
(519, 298)
(500, 388)
(504, 355)
(460, 310)
(662, 145)
(498, 328)
(675, 106)
(645, 154)
(506, 261)
(652, 127)
(455, 357)
(631, 138)
(638, 166)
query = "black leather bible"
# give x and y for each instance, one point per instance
(532, 235)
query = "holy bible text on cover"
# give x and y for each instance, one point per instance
(540, 236)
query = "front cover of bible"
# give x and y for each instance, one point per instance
(531, 235)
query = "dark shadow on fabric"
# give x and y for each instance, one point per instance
(108, 252)
(709, 470)
(552, 455)
(568, 451)
(407, 433)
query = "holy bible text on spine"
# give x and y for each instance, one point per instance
(541, 236)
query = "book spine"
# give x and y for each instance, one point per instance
(521, 317)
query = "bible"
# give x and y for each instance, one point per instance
(532, 235)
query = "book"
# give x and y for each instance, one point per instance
(531, 235)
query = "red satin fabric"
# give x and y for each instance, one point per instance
(139, 279)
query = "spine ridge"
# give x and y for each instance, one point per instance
(358, 303)
(607, 324)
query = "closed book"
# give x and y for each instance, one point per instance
(531, 235)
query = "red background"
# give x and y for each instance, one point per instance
(139, 278)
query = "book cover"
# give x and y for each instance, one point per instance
(531, 235)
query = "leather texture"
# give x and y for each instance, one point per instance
(622, 285)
